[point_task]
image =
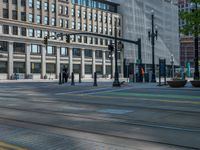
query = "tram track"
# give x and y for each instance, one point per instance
(18, 122)
(113, 119)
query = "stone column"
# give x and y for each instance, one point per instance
(10, 60)
(43, 60)
(10, 30)
(34, 11)
(57, 13)
(27, 12)
(43, 12)
(9, 9)
(82, 63)
(70, 61)
(104, 62)
(19, 10)
(93, 62)
(28, 57)
(57, 62)
(1, 9)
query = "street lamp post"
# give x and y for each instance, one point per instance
(116, 82)
(172, 63)
(152, 35)
(111, 59)
(196, 45)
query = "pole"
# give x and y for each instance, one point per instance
(153, 49)
(140, 60)
(116, 81)
(95, 79)
(72, 82)
(60, 78)
(196, 45)
(111, 64)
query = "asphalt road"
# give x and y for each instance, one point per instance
(48, 116)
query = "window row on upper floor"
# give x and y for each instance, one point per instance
(96, 4)
(37, 33)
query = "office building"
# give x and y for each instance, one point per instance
(137, 23)
(25, 23)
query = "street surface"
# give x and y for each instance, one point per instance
(48, 116)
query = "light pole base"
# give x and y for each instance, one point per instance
(153, 78)
(116, 84)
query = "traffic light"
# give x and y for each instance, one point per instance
(111, 47)
(46, 40)
(68, 38)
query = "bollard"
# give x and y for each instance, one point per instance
(79, 77)
(60, 78)
(63, 81)
(95, 79)
(72, 82)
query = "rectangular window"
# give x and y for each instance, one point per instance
(15, 30)
(31, 33)
(19, 67)
(30, 4)
(5, 29)
(99, 69)
(30, 17)
(76, 68)
(76, 52)
(23, 16)
(46, 6)
(3, 67)
(63, 51)
(39, 33)
(5, 13)
(14, 14)
(88, 69)
(19, 47)
(53, 21)
(38, 4)
(23, 3)
(38, 19)
(35, 49)
(108, 70)
(23, 31)
(35, 67)
(46, 20)
(53, 8)
(50, 68)
(14, 2)
(98, 54)
(50, 50)
(88, 53)
(3, 46)
(5, 1)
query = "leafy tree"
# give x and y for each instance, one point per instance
(192, 19)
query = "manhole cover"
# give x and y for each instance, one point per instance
(115, 111)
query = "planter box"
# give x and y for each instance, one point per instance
(195, 83)
(177, 83)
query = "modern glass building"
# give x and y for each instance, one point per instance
(137, 23)
(25, 23)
